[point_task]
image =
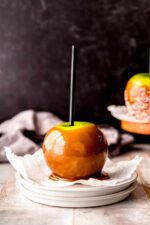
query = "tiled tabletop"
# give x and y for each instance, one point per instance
(17, 210)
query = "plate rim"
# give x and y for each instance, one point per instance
(81, 199)
(83, 189)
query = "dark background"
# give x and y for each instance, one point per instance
(35, 50)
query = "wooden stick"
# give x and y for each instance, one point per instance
(72, 86)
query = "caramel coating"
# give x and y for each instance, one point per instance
(75, 153)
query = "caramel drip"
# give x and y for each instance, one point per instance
(98, 176)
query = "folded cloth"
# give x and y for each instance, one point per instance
(24, 133)
(18, 143)
(116, 141)
(30, 120)
(13, 131)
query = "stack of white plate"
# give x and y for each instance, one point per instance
(77, 195)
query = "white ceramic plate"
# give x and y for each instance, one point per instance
(77, 190)
(77, 202)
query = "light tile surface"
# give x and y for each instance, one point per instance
(16, 210)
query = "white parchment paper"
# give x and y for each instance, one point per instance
(34, 169)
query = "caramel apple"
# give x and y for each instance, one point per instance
(137, 96)
(74, 152)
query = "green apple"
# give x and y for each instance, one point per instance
(140, 79)
(77, 125)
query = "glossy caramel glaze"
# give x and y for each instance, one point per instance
(75, 153)
(98, 176)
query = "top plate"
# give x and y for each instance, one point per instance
(76, 190)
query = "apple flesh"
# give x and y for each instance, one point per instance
(137, 96)
(74, 152)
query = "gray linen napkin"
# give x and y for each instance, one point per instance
(29, 120)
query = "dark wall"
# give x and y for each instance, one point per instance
(35, 49)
